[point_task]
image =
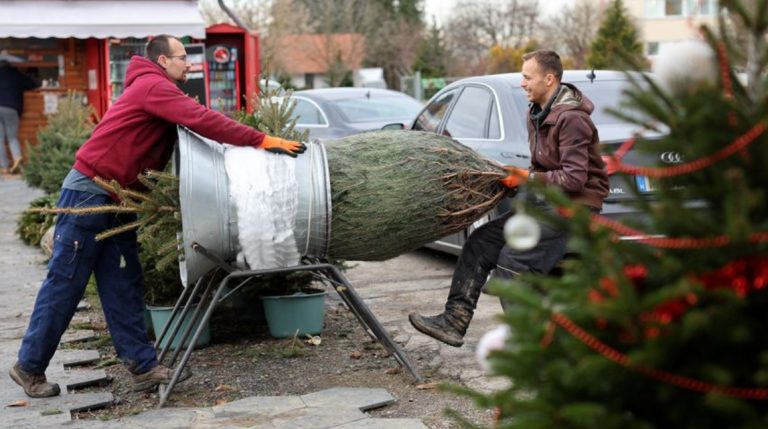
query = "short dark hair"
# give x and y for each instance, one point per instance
(548, 60)
(159, 45)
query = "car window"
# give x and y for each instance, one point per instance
(377, 108)
(430, 118)
(307, 113)
(604, 94)
(469, 116)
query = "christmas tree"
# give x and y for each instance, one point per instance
(669, 330)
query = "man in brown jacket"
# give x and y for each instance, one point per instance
(564, 153)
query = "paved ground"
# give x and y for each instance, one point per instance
(392, 289)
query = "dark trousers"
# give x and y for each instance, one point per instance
(115, 264)
(486, 251)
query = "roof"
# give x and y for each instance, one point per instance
(315, 53)
(342, 93)
(100, 18)
(571, 76)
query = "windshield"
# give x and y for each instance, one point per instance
(377, 108)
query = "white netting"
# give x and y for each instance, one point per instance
(264, 189)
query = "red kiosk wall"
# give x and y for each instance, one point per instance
(96, 69)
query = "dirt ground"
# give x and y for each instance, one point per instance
(244, 360)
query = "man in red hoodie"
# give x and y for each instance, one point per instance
(136, 134)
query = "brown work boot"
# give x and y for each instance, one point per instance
(35, 385)
(160, 374)
(438, 327)
(15, 167)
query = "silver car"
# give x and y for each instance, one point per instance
(331, 113)
(488, 113)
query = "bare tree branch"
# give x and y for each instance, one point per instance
(571, 31)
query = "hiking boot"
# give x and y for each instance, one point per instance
(439, 328)
(160, 374)
(34, 385)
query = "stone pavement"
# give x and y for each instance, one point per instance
(22, 270)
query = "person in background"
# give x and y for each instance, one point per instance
(13, 83)
(136, 134)
(564, 153)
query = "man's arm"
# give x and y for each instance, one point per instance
(166, 101)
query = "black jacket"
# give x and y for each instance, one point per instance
(12, 86)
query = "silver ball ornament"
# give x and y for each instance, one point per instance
(522, 232)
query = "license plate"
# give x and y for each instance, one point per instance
(645, 183)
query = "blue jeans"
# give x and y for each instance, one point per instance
(115, 263)
(9, 129)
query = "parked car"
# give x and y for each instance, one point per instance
(332, 113)
(488, 113)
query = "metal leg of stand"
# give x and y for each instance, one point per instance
(172, 325)
(166, 392)
(347, 293)
(369, 321)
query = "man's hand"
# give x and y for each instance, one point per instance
(278, 145)
(517, 176)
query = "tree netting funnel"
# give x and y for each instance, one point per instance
(208, 214)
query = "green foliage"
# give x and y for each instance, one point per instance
(432, 54)
(695, 312)
(31, 226)
(394, 191)
(617, 45)
(52, 158)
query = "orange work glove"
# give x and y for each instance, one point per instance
(278, 145)
(517, 176)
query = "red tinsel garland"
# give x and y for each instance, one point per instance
(673, 379)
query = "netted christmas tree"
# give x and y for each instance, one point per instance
(667, 331)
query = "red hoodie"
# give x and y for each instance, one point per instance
(138, 132)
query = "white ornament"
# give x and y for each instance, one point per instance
(491, 340)
(522, 232)
(684, 66)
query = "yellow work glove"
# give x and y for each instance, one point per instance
(286, 147)
(517, 176)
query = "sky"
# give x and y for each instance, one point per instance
(442, 8)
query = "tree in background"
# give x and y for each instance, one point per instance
(393, 42)
(668, 330)
(508, 60)
(432, 55)
(617, 45)
(475, 26)
(572, 30)
(52, 157)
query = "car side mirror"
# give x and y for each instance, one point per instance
(393, 126)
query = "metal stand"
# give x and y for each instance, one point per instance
(209, 296)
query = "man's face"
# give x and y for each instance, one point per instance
(175, 64)
(537, 84)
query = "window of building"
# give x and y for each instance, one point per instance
(652, 48)
(701, 7)
(680, 8)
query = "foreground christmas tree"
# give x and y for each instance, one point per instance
(669, 331)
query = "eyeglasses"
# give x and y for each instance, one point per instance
(181, 57)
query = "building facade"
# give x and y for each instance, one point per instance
(668, 21)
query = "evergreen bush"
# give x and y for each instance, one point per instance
(52, 157)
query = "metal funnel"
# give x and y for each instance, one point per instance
(208, 215)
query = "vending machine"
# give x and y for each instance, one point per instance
(119, 52)
(223, 78)
(232, 59)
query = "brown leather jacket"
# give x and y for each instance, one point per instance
(564, 148)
